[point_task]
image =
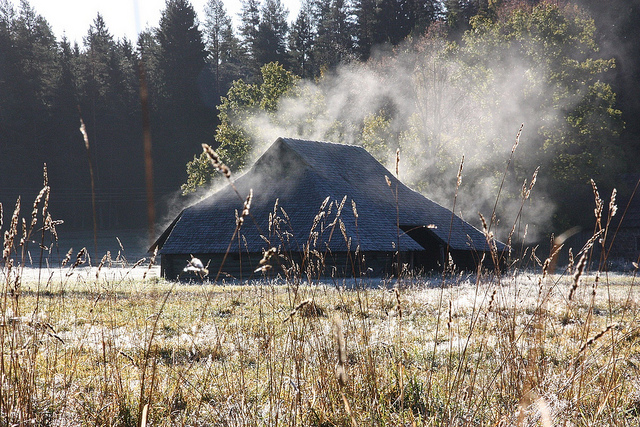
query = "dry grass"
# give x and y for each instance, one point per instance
(517, 353)
(101, 347)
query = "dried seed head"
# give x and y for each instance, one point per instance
(12, 232)
(265, 262)
(484, 223)
(388, 180)
(247, 203)
(324, 203)
(50, 225)
(102, 261)
(139, 262)
(36, 203)
(571, 261)
(517, 141)
(591, 241)
(67, 258)
(598, 209)
(215, 161)
(263, 268)
(613, 208)
(24, 232)
(85, 136)
(341, 206)
(213, 156)
(491, 300)
(459, 177)
(284, 214)
(316, 219)
(595, 338)
(534, 178)
(526, 191)
(80, 257)
(577, 274)
(45, 183)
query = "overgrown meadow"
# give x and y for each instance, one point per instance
(108, 342)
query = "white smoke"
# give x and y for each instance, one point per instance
(435, 112)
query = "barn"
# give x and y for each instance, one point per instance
(328, 210)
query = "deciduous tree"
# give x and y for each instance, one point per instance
(238, 133)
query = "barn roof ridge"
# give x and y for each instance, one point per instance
(363, 152)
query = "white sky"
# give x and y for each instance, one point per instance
(123, 17)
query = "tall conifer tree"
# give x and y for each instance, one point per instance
(301, 40)
(223, 47)
(184, 119)
(271, 40)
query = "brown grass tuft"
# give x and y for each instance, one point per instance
(341, 347)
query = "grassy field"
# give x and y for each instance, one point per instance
(467, 350)
(114, 344)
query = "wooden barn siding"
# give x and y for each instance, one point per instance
(626, 246)
(375, 264)
(339, 265)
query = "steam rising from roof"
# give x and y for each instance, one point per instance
(420, 99)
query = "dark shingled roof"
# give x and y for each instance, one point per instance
(301, 175)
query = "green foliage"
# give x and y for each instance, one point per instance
(376, 135)
(559, 73)
(182, 51)
(185, 90)
(276, 81)
(200, 171)
(534, 64)
(234, 146)
(238, 132)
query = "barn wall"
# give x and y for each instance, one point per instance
(469, 260)
(242, 267)
(339, 265)
(625, 247)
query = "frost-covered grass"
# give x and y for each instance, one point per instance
(113, 344)
(466, 350)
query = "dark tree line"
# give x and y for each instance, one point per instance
(47, 85)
